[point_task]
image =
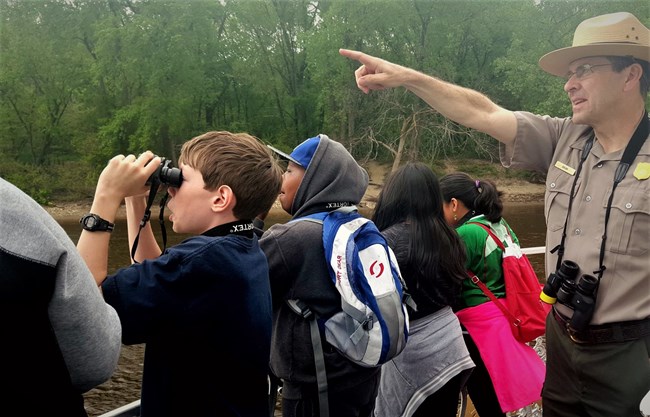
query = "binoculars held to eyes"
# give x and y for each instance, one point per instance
(166, 174)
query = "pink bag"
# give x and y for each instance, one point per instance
(516, 370)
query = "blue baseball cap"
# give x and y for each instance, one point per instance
(302, 153)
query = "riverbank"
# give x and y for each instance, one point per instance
(514, 190)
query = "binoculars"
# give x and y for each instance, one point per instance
(166, 174)
(578, 295)
(567, 272)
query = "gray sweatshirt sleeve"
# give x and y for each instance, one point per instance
(87, 330)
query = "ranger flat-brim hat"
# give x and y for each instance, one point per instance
(614, 34)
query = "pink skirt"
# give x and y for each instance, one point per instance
(517, 372)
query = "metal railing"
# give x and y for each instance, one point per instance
(535, 250)
(129, 410)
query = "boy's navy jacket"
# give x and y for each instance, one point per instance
(203, 308)
(298, 269)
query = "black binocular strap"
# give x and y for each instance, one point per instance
(155, 183)
(629, 154)
(585, 153)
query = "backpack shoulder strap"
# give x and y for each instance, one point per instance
(302, 309)
(314, 217)
(476, 280)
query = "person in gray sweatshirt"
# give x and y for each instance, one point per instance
(59, 337)
(321, 176)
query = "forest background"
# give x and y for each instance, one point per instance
(84, 80)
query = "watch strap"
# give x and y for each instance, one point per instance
(97, 224)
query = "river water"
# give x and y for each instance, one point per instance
(526, 219)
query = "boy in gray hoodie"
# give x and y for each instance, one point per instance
(321, 176)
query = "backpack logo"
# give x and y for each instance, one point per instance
(373, 259)
(378, 265)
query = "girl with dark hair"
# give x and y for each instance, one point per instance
(509, 374)
(427, 377)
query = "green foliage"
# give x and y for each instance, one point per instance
(31, 179)
(65, 181)
(42, 74)
(81, 81)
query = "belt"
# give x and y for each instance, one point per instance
(623, 331)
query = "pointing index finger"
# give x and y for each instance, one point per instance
(363, 69)
(356, 55)
(349, 53)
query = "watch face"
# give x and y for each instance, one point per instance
(91, 222)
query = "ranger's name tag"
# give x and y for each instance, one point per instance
(565, 168)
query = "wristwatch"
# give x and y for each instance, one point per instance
(94, 223)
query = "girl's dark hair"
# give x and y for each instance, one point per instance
(436, 255)
(479, 196)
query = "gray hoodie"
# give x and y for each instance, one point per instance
(298, 269)
(59, 337)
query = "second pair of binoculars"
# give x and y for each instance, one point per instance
(577, 294)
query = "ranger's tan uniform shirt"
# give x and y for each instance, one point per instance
(553, 146)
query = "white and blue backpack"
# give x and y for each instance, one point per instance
(373, 325)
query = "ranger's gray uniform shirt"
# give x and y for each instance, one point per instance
(553, 146)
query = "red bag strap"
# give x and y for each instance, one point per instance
(491, 233)
(476, 280)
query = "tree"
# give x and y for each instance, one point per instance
(83, 80)
(43, 73)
